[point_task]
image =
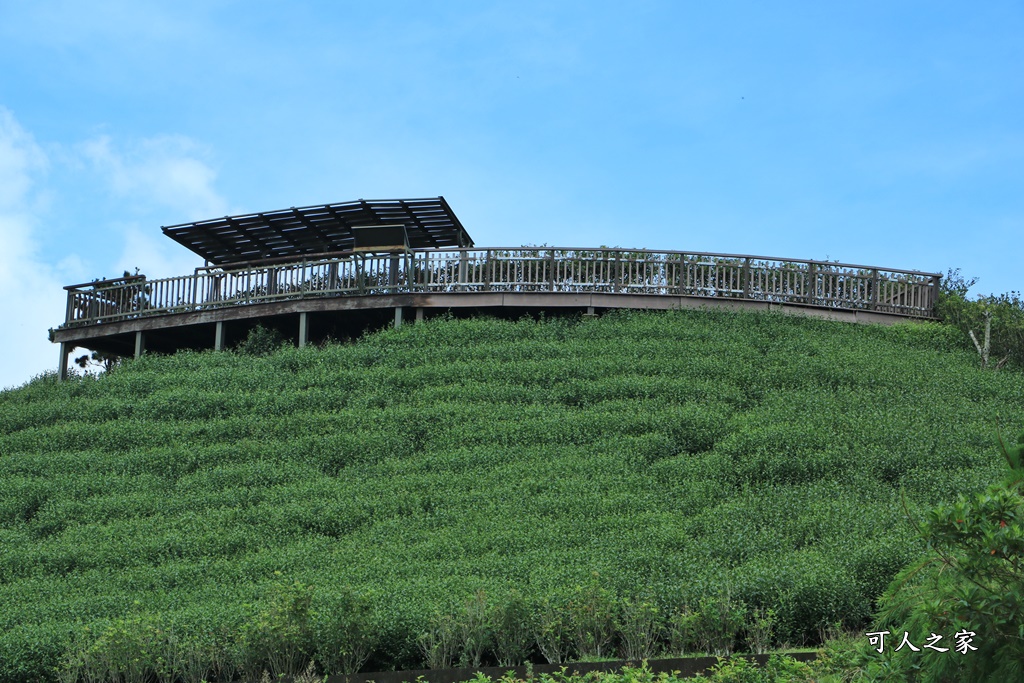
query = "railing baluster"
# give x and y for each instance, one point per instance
(514, 270)
(551, 271)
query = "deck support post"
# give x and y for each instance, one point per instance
(303, 329)
(62, 367)
(140, 344)
(398, 316)
(419, 315)
(218, 336)
(590, 312)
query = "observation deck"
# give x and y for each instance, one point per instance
(335, 269)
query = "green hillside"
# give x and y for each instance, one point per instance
(679, 455)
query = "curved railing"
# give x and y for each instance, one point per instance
(516, 269)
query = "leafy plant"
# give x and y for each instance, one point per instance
(551, 630)
(261, 341)
(682, 628)
(639, 626)
(439, 643)
(511, 621)
(972, 583)
(345, 631)
(760, 629)
(280, 638)
(592, 613)
(719, 622)
(475, 628)
(1000, 316)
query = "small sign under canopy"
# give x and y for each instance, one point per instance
(380, 238)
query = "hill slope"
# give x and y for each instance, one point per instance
(676, 454)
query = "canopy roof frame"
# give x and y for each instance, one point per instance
(318, 229)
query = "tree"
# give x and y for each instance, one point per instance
(1000, 316)
(98, 359)
(972, 583)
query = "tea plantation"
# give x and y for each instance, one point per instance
(658, 459)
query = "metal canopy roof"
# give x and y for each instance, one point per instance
(318, 229)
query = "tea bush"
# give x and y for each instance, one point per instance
(676, 454)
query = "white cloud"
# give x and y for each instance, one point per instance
(32, 295)
(165, 170)
(20, 157)
(153, 254)
(166, 176)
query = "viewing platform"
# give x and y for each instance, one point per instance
(334, 270)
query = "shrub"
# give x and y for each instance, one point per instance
(682, 631)
(439, 642)
(474, 629)
(719, 621)
(280, 638)
(510, 620)
(592, 613)
(972, 582)
(1006, 312)
(261, 341)
(760, 629)
(640, 630)
(344, 630)
(551, 630)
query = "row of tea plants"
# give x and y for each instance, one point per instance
(685, 453)
(337, 632)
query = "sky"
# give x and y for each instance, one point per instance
(883, 133)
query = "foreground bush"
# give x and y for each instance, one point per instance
(969, 589)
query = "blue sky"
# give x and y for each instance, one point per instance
(881, 133)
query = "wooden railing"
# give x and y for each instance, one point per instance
(516, 269)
